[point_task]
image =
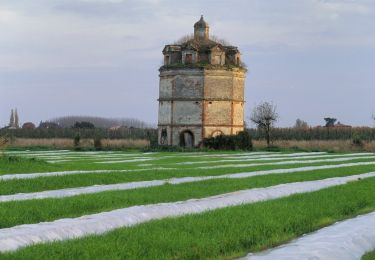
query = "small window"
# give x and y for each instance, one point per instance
(238, 61)
(166, 60)
(188, 58)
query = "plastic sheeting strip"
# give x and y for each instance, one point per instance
(24, 235)
(346, 240)
(144, 184)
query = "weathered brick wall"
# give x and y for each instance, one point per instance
(165, 112)
(218, 84)
(201, 101)
(217, 113)
(238, 116)
(210, 130)
(187, 113)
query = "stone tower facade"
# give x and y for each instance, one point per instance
(201, 92)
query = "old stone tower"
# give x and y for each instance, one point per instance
(201, 92)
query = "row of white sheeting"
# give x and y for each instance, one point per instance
(60, 173)
(346, 240)
(119, 158)
(24, 235)
(110, 153)
(87, 157)
(142, 184)
(7, 177)
(129, 160)
(286, 162)
(201, 154)
(278, 157)
(71, 156)
(255, 157)
(28, 151)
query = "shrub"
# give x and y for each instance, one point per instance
(84, 124)
(243, 141)
(3, 144)
(77, 140)
(357, 140)
(240, 141)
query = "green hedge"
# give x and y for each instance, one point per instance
(316, 133)
(241, 141)
(130, 133)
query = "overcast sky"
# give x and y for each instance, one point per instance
(312, 58)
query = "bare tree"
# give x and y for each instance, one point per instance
(100, 122)
(219, 40)
(301, 124)
(264, 116)
(188, 37)
(184, 39)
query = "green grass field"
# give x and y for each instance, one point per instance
(228, 232)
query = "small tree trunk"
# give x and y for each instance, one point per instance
(268, 135)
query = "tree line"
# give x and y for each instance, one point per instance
(123, 133)
(314, 133)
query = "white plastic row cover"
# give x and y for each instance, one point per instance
(286, 162)
(24, 235)
(346, 240)
(143, 184)
(60, 173)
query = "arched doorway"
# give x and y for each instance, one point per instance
(186, 139)
(216, 133)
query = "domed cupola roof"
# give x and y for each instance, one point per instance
(201, 23)
(201, 30)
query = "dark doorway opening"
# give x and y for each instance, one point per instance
(187, 139)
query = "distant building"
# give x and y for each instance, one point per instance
(118, 127)
(48, 125)
(340, 125)
(28, 125)
(201, 92)
(14, 120)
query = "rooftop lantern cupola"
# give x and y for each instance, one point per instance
(201, 29)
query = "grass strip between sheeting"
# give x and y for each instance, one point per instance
(34, 211)
(82, 180)
(37, 164)
(223, 233)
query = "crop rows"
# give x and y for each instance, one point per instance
(66, 204)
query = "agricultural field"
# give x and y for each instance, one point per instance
(62, 204)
